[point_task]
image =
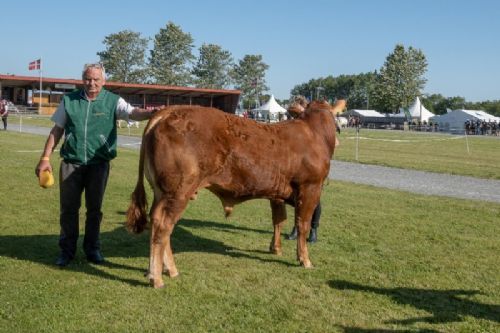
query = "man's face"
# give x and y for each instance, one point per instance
(93, 80)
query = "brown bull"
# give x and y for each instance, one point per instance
(186, 148)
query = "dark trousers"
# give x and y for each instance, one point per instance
(4, 120)
(316, 216)
(73, 180)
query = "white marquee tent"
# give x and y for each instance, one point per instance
(417, 111)
(270, 110)
(454, 121)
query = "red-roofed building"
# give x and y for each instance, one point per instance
(24, 90)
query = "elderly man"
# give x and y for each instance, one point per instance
(87, 118)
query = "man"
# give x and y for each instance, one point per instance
(87, 118)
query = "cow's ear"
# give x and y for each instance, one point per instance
(339, 105)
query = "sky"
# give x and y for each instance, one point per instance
(299, 40)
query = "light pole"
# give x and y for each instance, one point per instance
(318, 89)
(367, 99)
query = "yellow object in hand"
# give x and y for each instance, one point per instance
(46, 179)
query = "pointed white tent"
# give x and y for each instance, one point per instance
(270, 110)
(417, 111)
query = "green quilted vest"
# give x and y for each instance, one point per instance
(90, 130)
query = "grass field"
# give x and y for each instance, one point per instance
(476, 156)
(387, 261)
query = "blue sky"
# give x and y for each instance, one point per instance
(299, 40)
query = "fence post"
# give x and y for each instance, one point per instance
(357, 141)
(467, 142)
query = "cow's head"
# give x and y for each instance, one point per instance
(337, 107)
(298, 106)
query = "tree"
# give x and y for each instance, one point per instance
(401, 78)
(124, 57)
(491, 107)
(356, 89)
(249, 77)
(213, 67)
(171, 56)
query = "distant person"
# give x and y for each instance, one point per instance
(4, 112)
(87, 118)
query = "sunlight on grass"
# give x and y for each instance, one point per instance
(385, 261)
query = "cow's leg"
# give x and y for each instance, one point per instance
(157, 243)
(279, 218)
(168, 257)
(164, 217)
(308, 198)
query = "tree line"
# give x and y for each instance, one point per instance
(171, 61)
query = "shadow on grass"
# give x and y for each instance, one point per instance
(119, 243)
(443, 305)
(379, 330)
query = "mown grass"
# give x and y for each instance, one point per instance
(435, 152)
(386, 261)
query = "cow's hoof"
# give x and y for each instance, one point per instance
(173, 273)
(276, 251)
(157, 284)
(170, 273)
(306, 264)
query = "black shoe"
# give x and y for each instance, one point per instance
(63, 260)
(313, 236)
(95, 257)
(293, 234)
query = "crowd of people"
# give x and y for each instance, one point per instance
(479, 127)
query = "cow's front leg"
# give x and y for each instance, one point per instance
(305, 204)
(279, 218)
(302, 252)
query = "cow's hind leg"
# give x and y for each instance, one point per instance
(158, 242)
(164, 217)
(168, 260)
(279, 218)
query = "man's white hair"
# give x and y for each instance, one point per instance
(97, 65)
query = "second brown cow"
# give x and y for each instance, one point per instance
(187, 148)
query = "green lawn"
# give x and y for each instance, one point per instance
(476, 156)
(387, 261)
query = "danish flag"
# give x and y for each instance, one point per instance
(35, 64)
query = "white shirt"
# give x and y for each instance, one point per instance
(123, 110)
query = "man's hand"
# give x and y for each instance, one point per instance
(42, 165)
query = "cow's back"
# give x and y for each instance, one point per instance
(232, 155)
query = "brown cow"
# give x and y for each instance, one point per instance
(186, 148)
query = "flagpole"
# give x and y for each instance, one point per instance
(40, 104)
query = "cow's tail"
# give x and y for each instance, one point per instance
(137, 218)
